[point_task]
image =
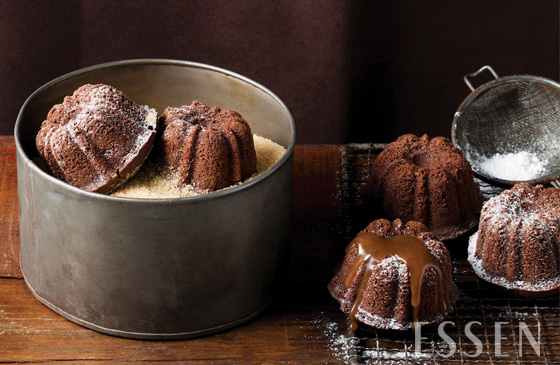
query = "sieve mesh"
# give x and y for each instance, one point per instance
(511, 115)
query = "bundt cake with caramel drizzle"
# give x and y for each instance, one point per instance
(426, 180)
(395, 275)
(208, 148)
(517, 246)
(97, 138)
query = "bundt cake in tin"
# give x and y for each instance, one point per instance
(97, 138)
(517, 246)
(208, 148)
(426, 180)
(395, 275)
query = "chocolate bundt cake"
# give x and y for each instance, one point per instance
(395, 275)
(97, 138)
(429, 181)
(208, 148)
(517, 246)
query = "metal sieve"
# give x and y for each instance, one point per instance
(510, 114)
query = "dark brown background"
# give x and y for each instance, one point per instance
(344, 68)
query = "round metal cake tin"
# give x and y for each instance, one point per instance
(166, 268)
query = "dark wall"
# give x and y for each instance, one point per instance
(409, 62)
(349, 70)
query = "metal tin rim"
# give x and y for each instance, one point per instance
(472, 96)
(158, 61)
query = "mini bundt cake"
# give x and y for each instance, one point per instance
(395, 275)
(517, 246)
(208, 148)
(97, 138)
(429, 181)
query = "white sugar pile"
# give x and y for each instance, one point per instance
(514, 166)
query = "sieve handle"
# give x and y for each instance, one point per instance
(474, 74)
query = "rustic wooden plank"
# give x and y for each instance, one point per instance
(317, 220)
(316, 181)
(289, 331)
(9, 222)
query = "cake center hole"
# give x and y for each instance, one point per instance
(423, 160)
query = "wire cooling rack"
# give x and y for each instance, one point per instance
(487, 326)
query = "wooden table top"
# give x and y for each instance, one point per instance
(292, 329)
(304, 324)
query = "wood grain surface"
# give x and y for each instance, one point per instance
(303, 325)
(9, 229)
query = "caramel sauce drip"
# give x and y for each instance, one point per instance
(407, 249)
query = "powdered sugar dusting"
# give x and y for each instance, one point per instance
(399, 269)
(92, 104)
(338, 339)
(106, 131)
(510, 204)
(479, 270)
(392, 264)
(391, 323)
(517, 166)
(520, 150)
(396, 356)
(522, 205)
(345, 347)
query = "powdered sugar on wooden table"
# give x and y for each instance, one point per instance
(337, 338)
(346, 347)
